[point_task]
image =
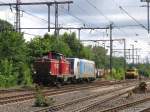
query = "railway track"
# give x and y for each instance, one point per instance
(66, 104)
(29, 96)
(94, 105)
(97, 103)
(6, 91)
(121, 107)
(146, 110)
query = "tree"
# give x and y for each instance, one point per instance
(7, 74)
(40, 45)
(100, 57)
(13, 49)
(13, 46)
(144, 69)
(118, 62)
(73, 43)
(5, 26)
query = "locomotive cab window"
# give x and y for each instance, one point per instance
(56, 56)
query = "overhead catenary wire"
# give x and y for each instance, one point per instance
(30, 34)
(27, 12)
(129, 15)
(71, 15)
(77, 18)
(33, 3)
(140, 24)
(37, 17)
(110, 21)
(85, 11)
(119, 27)
(47, 20)
(99, 11)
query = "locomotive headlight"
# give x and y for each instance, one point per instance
(34, 72)
(50, 72)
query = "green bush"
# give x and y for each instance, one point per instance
(116, 74)
(25, 75)
(41, 100)
(8, 77)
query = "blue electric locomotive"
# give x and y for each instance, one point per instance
(82, 69)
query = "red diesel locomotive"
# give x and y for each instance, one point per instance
(51, 68)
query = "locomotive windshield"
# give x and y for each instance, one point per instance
(72, 63)
(53, 55)
(56, 56)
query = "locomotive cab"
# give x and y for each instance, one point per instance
(51, 68)
(131, 73)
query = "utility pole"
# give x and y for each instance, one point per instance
(17, 21)
(79, 30)
(148, 15)
(129, 54)
(124, 58)
(56, 20)
(136, 56)
(111, 50)
(104, 58)
(79, 38)
(132, 54)
(49, 17)
(138, 59)
(148, 25)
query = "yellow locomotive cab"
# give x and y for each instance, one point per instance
(131, 73)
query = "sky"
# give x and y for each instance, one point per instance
(90, 13)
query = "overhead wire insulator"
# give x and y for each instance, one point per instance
(68, 7)
(90, 31)
(10, 8)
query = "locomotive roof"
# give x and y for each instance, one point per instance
(89, 61)
(72, 58)
(83, 60)
(52, 52)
